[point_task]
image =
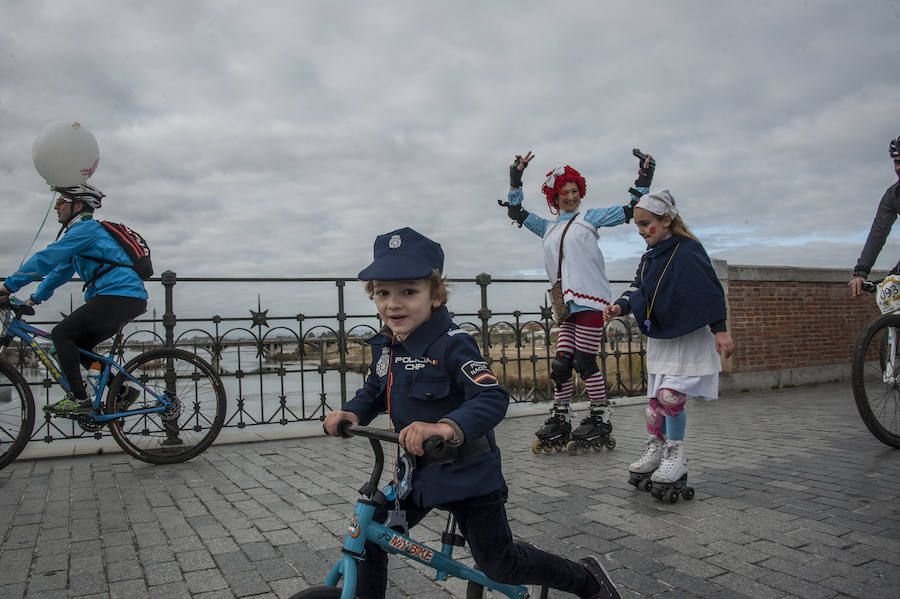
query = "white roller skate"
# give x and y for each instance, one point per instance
(670, 479)
(639, 472)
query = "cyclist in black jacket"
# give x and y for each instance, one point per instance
(887, 212)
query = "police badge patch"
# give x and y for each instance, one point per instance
(479, 373)
(384, 362)
(394, 242)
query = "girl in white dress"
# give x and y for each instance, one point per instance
(585, 290)
(679, 304)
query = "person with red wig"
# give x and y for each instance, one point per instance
(585, 289)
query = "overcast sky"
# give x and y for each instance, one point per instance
(279, 138)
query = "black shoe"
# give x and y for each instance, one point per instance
(607, 589)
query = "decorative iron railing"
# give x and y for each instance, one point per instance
(281, 368)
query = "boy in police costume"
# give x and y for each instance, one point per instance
(431, 379)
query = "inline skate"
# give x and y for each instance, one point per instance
(555, 433)
(594, 431)
(639, 472)
(669, 482)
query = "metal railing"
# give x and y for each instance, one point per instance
(290, 367)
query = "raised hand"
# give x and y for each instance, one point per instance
(516, 168)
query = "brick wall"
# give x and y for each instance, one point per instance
(792, 320)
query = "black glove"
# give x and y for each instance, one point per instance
(645, 175)
(629, 211)
(517, 213)
(515, 173)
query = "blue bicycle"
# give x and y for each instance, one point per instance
(163, 406)
(362, 528)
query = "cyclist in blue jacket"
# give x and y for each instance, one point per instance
(113, 296)
(431, 379)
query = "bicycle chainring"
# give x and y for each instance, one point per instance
(89, 425)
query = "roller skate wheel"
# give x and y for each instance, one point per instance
(537, 447)
(688, 493)
(672, 496)
(548, 448)
(655, 491)
(611, 443)
(633, 481)
(572, 448)
(559, 446)
(646, 485)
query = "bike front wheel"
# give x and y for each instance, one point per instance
(16, 413)
(318, 593)
(875, 375)
(185, 429)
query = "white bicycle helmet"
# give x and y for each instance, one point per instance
(88, 194)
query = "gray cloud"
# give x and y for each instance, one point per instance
(279, 141)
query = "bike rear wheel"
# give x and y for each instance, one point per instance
(875, 377)
(16, 413)
(189, 426)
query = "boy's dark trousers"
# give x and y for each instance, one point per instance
(482, 520)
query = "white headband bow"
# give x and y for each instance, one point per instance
(659, 203)
(551, 178)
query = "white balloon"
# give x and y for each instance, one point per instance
(65, 154)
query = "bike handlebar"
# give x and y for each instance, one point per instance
(434, 447)
(18, 307)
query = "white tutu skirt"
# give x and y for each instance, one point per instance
(705, 386)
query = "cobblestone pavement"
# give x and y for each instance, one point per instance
(794, 499)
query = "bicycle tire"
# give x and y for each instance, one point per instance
(877, 400)
(16, 418)
(187, 430)
(318, 593)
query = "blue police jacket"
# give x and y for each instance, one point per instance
(65, 257)
(437, 373)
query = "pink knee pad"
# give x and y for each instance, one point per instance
(672, 401)
(656, 417)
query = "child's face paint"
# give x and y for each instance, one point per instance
(568, 197)
(652, 227)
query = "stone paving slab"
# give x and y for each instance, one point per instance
(794, 498)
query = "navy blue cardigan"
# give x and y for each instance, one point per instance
(675, 290)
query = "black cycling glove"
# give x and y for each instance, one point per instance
(515, 173)
(517, 213)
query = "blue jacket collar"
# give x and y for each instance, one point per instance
(663, 246)
(420, 339)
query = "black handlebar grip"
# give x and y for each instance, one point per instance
(435, 447)
(342, 427)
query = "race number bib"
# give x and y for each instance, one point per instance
(888, 294)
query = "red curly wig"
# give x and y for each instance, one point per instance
(555, 181)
